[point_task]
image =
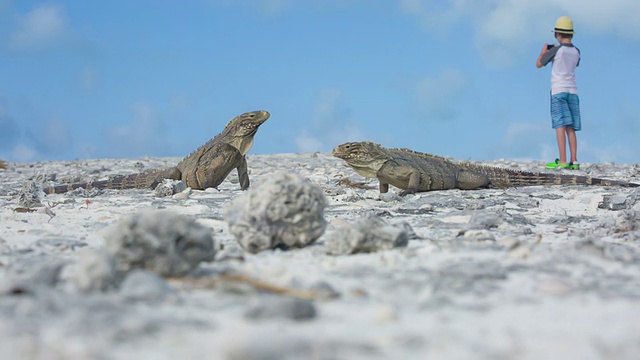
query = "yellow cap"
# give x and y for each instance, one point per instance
(564, 25)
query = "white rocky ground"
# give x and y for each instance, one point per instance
(526, 273)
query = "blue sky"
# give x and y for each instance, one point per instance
(111, 79)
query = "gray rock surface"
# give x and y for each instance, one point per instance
(29, 195)
(28, 276)
(163, 242)
(271, 307)
(367, 234)
(169, 187)
(282, 210)
(559, 279)
(143, 285)
(95, 271)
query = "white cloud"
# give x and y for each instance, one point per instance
(89, 78)
(44, 139)
(437, 96)
(528, 141)
(87, 149)
(266, 8)
(503, 26)
(9, 131)
(518, 132)
(439, 15)
(328, 140)
(44, 27)
(329, 109)
(23, 153)
(306, 143)
(143, 136)
(53, 136)
(5, 5)
(331, 124)
(277, 8)
(618, 16)
(179, 102)
(274, 7)
(31, 138)
(618, 153)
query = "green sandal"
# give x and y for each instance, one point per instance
(557, 165)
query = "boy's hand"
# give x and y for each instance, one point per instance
(542, 52)
(545, 49)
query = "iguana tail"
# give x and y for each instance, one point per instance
(143, 180)
(512, 178)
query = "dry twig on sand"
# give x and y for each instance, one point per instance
(223, 279)
(24, 210)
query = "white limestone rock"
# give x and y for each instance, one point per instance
(283, 210)
(368, 234)
(95, 272)
(29, 195)
(169, 187)
(163, 242)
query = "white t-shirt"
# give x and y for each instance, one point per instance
(565, 58)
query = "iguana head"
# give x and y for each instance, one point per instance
(366, 158)
(240, 130)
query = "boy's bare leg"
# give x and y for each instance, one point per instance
(573, 144)
(562, 143)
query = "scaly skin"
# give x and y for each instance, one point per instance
(206, 167)
(413, 172)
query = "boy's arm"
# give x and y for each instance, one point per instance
(546, 55)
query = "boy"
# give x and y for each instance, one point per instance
(565, 104)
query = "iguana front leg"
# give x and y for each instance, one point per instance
(243, 174)
(403, 177)
(213, 166)
(414, 184)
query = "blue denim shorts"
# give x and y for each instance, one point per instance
(565, 111)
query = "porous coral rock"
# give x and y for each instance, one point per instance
(283, 210)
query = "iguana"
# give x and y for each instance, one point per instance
(413, 172)
(3, 164)
(206, 167)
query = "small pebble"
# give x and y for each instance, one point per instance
(367, 234)
(479, 235)
(390, 196)
(386, 314)
(143, 285)
(184, 194)
(169, 187)
(270, 307)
